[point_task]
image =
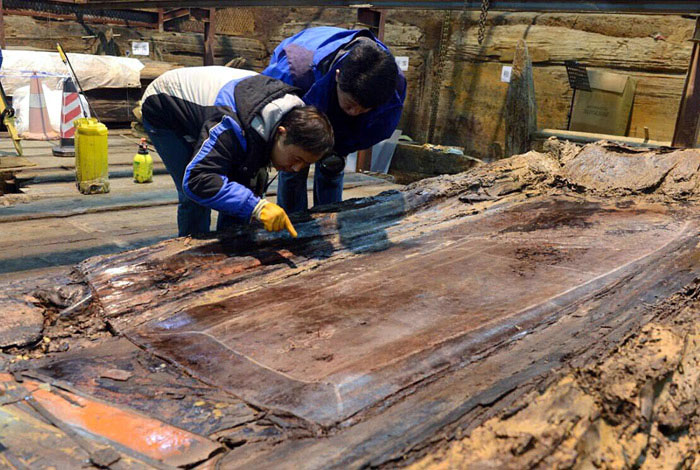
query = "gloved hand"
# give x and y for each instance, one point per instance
(273, 217)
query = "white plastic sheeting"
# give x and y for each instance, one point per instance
(93, 71)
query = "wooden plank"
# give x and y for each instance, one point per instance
(176, 48)
(2, 26)
(588, 137)
(473, 105)
(548, 44)
(209, 37)
(521, 108)
(14, 163)
(688, 122)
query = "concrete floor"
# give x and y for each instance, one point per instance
(51, 225)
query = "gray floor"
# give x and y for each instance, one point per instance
(51, 224)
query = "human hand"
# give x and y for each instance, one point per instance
(274, 218)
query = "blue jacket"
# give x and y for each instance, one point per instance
(303, 60)
(218, 115)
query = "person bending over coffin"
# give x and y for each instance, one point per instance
(353, 78)
(217, 129)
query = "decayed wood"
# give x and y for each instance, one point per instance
(653, 49)
(2, 26)
(521, 109)
(154, 69)
(209, 37)
(556, 44)
(155, 284)
(188, 48)
(473, 105)
(114, 105)
(178, 48)
(542, 135)
(687, 125)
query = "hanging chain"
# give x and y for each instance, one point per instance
(482, 20)
(442, 52)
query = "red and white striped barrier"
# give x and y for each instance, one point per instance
(70, 111)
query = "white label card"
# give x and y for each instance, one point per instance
(505, 73)
(402, 62)
(140, 48)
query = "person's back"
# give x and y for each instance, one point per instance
(353, 78)
(185, 96)
(368, 73)
(216, 129)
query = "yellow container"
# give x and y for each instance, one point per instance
(91, 170)
(143, 164)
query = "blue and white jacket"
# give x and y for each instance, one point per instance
(308, 60)
(231, 115)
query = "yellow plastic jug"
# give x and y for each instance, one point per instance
(143, 164)
(91, 170)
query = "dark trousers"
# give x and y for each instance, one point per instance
(291, 189)
(176, 153)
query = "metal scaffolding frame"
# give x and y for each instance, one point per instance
(600, 6)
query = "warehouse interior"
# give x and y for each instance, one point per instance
(508, 276)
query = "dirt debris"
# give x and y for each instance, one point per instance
(637, 408)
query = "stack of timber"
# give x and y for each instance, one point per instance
(470, 100)
(654, 50)
(168, 50)
(116, 105)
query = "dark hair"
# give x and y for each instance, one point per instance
(369, 74)
(308, 128)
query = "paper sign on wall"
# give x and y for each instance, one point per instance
(140, 48)
(402, 62)
(506, 72)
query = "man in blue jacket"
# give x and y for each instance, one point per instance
(353, 78)
(217, 129)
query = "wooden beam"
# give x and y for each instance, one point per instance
(161, 20)
(688, 121)
(521, 109)
(209, 35)
(200, 14)
(373, 20)
(2, 27)
(72, 17)
(175, 14)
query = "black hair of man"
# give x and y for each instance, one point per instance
(309, 129)
(369, 74)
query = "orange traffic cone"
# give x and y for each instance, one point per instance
(39, 124)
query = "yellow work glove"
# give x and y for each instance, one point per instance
(273, 217)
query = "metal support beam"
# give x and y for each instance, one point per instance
(688, 122)
(209, 35)
(601, 6)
